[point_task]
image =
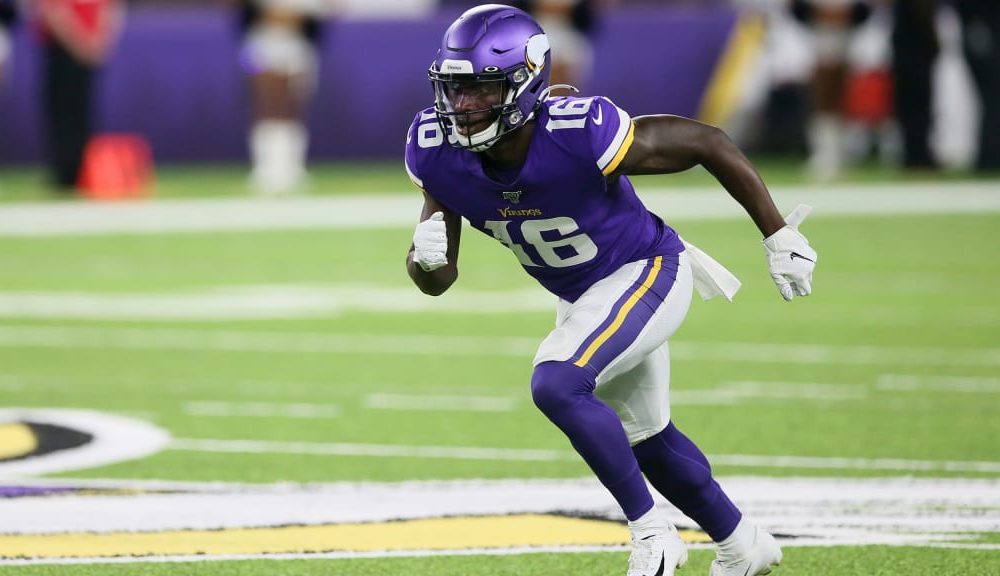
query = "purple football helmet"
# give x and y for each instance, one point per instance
(497, 58)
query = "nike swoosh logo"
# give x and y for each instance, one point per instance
(797, 255)
(599, 120)
(663, 561)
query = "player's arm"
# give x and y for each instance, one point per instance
(666, 144)
(432, 261)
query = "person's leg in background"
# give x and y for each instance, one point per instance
(68, 91)
(981, 45)
(281, 60)
(914, 48)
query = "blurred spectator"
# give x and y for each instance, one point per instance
(279, 54)
(915, 46)
(568, 24)
(7, 16)
(981, 44)
(831, 23)
(77, 36)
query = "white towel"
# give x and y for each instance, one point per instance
(710, 278)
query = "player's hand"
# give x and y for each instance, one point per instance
(790, 258)
(430, 243)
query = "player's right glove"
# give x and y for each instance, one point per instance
(430, 243)
(790, 258)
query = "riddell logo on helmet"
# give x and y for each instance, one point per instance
(457, 66)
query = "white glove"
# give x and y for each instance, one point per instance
(789, 256)
(430, 243)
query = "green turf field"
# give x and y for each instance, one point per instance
(306, 356)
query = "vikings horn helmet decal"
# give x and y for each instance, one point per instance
(495, 55)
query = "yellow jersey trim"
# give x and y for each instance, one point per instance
(621, 151)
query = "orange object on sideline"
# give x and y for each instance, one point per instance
(116, 166)
(868, 96)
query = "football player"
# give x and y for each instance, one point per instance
(548, 178)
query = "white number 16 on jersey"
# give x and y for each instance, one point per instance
(532, 230)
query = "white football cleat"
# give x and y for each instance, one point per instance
(657, 555)
(761, 557)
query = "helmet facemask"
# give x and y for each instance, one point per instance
(478, 127)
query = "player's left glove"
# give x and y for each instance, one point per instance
(790, 258)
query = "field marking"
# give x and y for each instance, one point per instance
(245, 341)
(262, 302)
(735, 391)
(423, 553)
(914, 383)
(505, 531)
(210, 445)
(551, 455)
(839, 463)
(434, 403)
(115, 438)
(320, 555)
(295, 300)
(401, 211)
(261, 409)
(11, 383)
(815, 511)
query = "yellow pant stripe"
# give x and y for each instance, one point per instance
(622, 314)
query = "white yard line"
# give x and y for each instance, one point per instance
(376, 450)
(729, 393)
(435, 403)
(245, 341)
(541, 455)
(962, 384)
(289, 301)
(834, 463)
(261, 341)
(266, 302)
(401, 211)
(262, 410)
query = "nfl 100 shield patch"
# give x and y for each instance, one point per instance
(512, 196)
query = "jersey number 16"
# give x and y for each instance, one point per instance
(533, 230)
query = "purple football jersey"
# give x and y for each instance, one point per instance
(566, 221)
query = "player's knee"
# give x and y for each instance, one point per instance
(556, 386)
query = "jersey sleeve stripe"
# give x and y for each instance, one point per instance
(621, 140)
(413, 177)
(621, 151)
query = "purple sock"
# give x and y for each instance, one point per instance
(679, 471)
(565, 394)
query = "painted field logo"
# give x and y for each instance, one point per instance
(20, 440)
(34, 441)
